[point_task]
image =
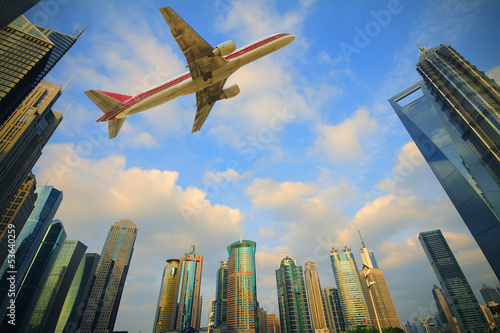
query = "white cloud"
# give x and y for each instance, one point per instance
(494, 74)
(345, 142)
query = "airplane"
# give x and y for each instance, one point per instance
(209, 68)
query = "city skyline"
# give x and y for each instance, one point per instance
(246, 170)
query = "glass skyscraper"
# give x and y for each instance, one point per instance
(444, 310)
(55, 290)
(102, 306)
(241, 287)
(292, 298)
(490, 294)
(220, 320)
(313, 287)
(32, 285)
(76, 300)
(166, 299)
(456, 289)
(367, 256)
(453, 115)
(187, 308)
(29, 239)
(333, 310)
(352, 297)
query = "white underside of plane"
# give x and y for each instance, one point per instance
(209, 69)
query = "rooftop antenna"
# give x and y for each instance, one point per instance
(67, 82)
(68, 107)
(422, 49)
(241, 235)
(362, 242)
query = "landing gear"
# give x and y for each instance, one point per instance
(207, 75)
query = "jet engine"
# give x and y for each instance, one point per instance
(230, 92)
(224, 48)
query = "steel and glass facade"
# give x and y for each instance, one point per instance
(351, 294)
(313, 287)
(242, 288)
(455, 286)
(76, 300)
(220, 320)
(55, 290)
(453, 115)
(102, 306)
(333, 310)
(187, 308)
(292, 298)
(166, 299)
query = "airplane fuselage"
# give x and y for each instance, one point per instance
(185, 85)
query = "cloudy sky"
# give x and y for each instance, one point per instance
(309, 153)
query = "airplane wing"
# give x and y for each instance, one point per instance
(196, 50)
(205, 100)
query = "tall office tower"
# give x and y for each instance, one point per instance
(76, 299)
(16, 214)
(313, 287)
(292, 298)
(30, 290)
(444, 310)
(23, 137)
(261, 320)
(273, 324)
(241, 287)
(211, 314)
(55, 290)
(221, 296)
(352, 298)
(453, 116)
(102, 306)
(28, 241)
(456, 289)
(333, 310)
(367, 256)
(490, 294)
(11, 9)
(29, 53)
(187, 310)
(166, 299)
(379, 299)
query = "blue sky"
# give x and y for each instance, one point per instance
(309, 153)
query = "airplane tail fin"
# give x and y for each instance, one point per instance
(109, 102)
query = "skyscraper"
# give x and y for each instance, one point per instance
(351, 294)
(32, 285)
(444, 310)
(313, 287)
(490, 294)
(292, 298)
(187, 310)
(367, 256)
(166, 299)
(17, 213)
(102, 306)
(29, 240)
(11, 9)
(55, 290)
(453, 117)
(333, 310)
(76, 299)
(221, 296)
(456, 289)
(379, 298)
(23, 137)
(29, 53)
(241, 287)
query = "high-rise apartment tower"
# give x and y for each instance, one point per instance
(313, 287)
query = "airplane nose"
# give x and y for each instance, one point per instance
(290, 38)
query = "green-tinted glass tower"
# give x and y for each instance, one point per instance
(76, 300)
(241, 288)
(352, 298)
(455, 286)
(51, 301)
(220, 320)
(292, 298)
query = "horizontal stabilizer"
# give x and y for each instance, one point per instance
(106, 101)
(114, 127)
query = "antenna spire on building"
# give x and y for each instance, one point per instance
(362, 242)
